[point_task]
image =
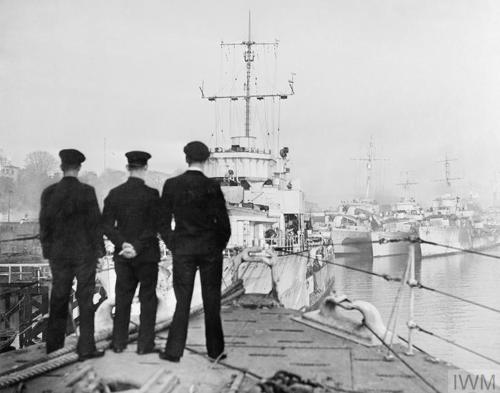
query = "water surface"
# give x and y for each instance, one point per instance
(470, 276)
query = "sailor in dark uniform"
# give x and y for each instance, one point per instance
(195, 206)
(72, 242)
(130, 222)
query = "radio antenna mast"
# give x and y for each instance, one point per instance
(249, 57)
(447, 172)
(370, 159)
(406, 185)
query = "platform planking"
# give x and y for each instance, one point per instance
(267, 340)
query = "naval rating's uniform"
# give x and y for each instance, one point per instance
(72, 242)
(197, 206)
(130, 216)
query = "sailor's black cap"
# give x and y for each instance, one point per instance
(196, 151)
(71, 157)
(137, 158)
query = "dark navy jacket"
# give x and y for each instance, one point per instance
(198, 208)
(131, 215)
(70, 221)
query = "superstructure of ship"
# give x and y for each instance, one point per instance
(266, 205)
(456, 223)
(400, 222)
(360, 228)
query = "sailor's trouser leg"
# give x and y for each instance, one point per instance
(126, 284)
(147, 274)
(184, 270)
(85, 277)
(62, 279)
(211, 277)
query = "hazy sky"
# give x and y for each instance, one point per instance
(422, 77)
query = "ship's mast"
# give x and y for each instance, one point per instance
(370, 159)
(447, 172)
(249, 57)
(406, 185)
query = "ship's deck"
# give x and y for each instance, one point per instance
(263, 341)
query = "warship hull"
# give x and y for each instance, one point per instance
(295, 280)
(380, 248)
(456, 238)
(298, 280)
(351, 241)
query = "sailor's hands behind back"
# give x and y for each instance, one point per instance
(128, 251)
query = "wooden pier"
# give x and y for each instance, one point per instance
(24, 300)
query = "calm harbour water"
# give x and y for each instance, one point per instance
(470, 276)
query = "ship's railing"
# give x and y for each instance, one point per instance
(18, 272)
(288, 242)
(240, 149)
(409, 280)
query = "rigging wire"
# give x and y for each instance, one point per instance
(386, 277)
(447, 340)
(422, 286)
(459, 249)
(398, 279)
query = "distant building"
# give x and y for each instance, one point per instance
(10, 171)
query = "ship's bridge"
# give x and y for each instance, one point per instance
(242, 160)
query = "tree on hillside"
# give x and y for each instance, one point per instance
(8, 198)
(37, 174)
(40, 162)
